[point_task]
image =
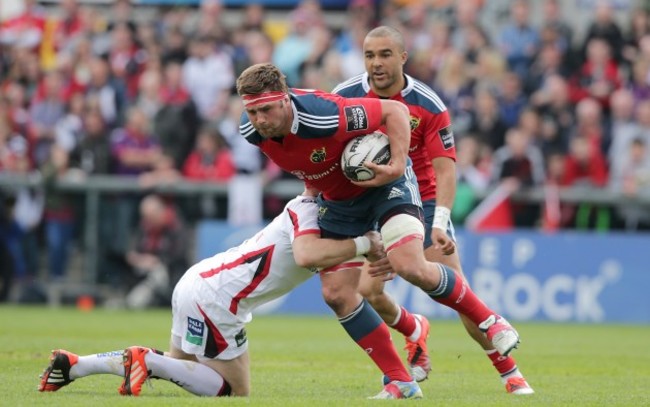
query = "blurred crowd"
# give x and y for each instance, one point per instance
(88, 89)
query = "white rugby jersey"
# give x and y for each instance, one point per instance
(262, 268)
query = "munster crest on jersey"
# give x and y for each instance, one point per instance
(318, 155)
(415, 122)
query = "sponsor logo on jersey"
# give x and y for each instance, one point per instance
(447, 137)
(240, 338)
(356, 118)
(415, 122)
(318, 155)
(302, 175)
(195, 330)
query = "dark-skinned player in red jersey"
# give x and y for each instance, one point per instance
(433, 152)
(304, 133)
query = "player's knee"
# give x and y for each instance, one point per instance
(340, 301)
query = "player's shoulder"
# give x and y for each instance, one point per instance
(316, 113)
(419, 94)
(302, 202)
(247, 130)
(357, 86)
(299, 209)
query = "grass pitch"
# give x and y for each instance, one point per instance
(310, 361)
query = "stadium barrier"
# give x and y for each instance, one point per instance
(561, 282)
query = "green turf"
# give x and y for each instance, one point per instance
(310, 361)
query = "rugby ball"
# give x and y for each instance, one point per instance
(373, 147)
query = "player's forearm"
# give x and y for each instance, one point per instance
(445, 170)
(323, 253)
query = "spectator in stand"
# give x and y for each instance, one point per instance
(135, 151)
(245, 189)
(624, 126)
(59, 213)
(519, 161)
(553, 20)
(298, 46)
(512, 99)
(208, 76)
(638, 129)
(157, 256)
(126, 59)
(590, 124)
(177, 120)
(586, 166)
(548, 62)
(455, 87)
(134, 148)
(518, 40)
(605, 27)
(68, 130)
(629, 179)
(490, 68)
(466, 15)
(174, 46)
(105, 93)
(148, 99)
(70, 24)
(556, 114)
(639, 81)
(486, 121)
(477, 40)
(14, 105)
(638, 28)
(44, 114)
(211, 160)
(598, 76)
(93, 153)
(25, 30)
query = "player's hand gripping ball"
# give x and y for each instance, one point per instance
(373, 147)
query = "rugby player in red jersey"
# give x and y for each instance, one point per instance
(433, 153)
(304, 133)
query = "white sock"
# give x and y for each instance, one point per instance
(194, 377)
(418, 330)
(514, 373)
(99, 363)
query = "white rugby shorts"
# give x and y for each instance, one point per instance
(201, 325)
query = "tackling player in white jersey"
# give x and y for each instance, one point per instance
(213, 301)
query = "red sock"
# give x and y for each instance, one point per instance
(456, 294)
(406, 323)
(504, 365)
(367, 329)
(379, 346)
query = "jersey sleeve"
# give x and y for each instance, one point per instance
(359, 116)
(303, 215)
(439, 136)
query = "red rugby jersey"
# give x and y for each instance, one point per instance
(323, 123)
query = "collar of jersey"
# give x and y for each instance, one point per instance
(295, 123)
(365, 82)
